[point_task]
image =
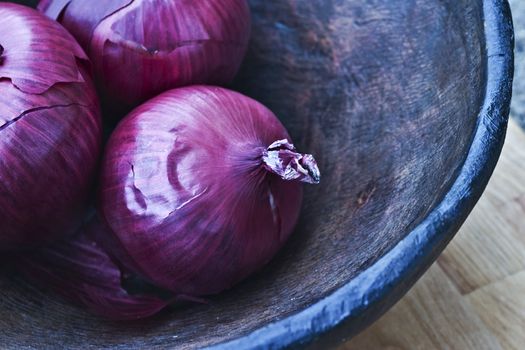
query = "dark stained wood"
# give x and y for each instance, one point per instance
(385, 93)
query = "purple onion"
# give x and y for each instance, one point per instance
(200, 187)
(50, 129)
(141, 48)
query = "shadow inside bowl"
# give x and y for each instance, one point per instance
(385, 94)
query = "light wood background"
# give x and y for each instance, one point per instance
(473, 297)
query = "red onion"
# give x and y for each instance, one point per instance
(141, 48)
(200, 187)
(50, 129)
(80, 270)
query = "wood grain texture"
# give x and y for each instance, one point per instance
(432, 316)
(473, 297)
(501, 306)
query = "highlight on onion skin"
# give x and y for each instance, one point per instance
(200, 187)
(141, 48)
(50, 129)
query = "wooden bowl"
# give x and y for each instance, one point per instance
(405, 104)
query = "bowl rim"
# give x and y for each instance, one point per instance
(361, 301)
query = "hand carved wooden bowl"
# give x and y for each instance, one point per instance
(405, 105)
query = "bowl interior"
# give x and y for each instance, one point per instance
(385, 93)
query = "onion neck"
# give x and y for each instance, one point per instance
(282, 159)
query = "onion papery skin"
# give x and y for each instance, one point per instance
(141, 48)
(80, 270)
(50, 129)
(186, 195)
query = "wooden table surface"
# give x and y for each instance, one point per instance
(473, 297)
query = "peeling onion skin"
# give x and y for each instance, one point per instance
(50, 129)
(184, 189)
(141, 48)
(79, 269)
